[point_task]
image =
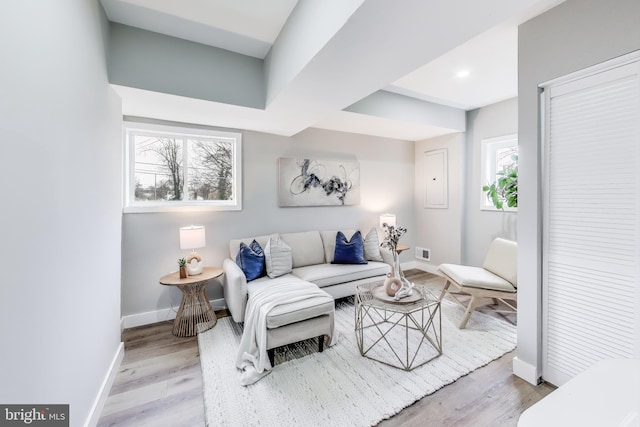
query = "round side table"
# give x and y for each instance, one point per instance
(401, 247)
(195, 307)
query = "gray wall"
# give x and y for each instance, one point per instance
(156, 62)
(61, 206)
(440, 230)
(480, 227)
(568, 38)
(150, 241)
(463, 232)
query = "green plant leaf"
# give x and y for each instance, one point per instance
(505, 188)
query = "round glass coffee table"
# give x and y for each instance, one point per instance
(404, 334)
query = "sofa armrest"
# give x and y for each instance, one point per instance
(234, 286)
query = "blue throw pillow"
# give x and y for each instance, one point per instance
(251, 260)
(349, 252)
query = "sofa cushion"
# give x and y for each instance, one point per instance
(333, 274)
(329, 242)
(234, 244)
(292, 312)
(250, 258)
(306, 248)
(349, 251)
(476, 277)
(372, 246)
(277, 257)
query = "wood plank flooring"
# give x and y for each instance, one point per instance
(160, 384)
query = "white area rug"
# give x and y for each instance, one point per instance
(339, 387)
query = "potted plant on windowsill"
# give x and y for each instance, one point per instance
(505, 188)
(182, 263)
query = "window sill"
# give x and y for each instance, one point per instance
(494, 209)
(180, 208)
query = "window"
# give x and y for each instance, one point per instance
(174, 168)
(499, 157)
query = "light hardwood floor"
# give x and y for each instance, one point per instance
(160, 384)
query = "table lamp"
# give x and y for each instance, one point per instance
(389, 219)
(193, 237)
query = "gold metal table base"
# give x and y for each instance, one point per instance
(194, 309)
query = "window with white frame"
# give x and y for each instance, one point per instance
(171, 168)
(499, 161)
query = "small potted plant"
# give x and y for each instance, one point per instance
(182, 263)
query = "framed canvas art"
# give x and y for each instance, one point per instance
(316, 182)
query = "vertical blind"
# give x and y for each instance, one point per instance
(591, 255)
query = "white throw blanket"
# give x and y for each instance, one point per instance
(252, 354)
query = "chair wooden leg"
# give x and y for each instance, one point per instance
(321, 343)
(444, 290)
(467, 315)
(272, 356)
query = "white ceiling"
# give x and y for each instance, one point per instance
(487, 53)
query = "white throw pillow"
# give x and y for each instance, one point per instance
(277, 256)
(372, 246)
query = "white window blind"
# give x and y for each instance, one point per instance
(591, 256)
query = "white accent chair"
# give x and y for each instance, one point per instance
(496, 279)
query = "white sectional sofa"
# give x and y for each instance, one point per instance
(311, 254)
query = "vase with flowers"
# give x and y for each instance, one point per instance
(395, 285)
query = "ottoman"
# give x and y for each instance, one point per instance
(290, 322)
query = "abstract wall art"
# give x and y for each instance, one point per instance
(315, 182)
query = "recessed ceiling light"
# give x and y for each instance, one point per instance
(462, 74)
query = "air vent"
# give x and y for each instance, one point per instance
(423, 253)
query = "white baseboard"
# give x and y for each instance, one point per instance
(407, 265)
(527, 372)
(105, 388)
(425, 266)
(419, 265)
(149, 317)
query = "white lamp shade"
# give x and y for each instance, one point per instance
(192, 237)
(388, 218)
